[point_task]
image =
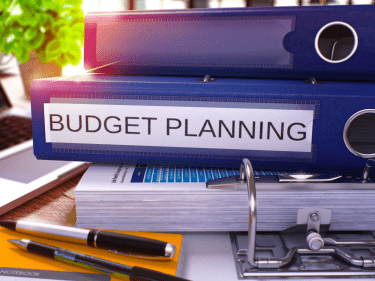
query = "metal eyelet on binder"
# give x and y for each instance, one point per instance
(313, 81)
(366, 170)
(313, 253)
(207, 78)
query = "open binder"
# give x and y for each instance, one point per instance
(308, 249)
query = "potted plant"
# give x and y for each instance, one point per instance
(49, 33)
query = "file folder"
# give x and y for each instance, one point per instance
(326, 42)
(277, 124)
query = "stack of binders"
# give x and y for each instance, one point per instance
(289, 88)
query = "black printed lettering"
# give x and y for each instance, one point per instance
(300, 133)
(116, 126)
(169, 124)
(127, 125)
(149, 123)
(222, 124)
(186, 130)
(280, 136)
(51, 122)
(211, 130)
(242, 124)
(79, 122)
(87, 124)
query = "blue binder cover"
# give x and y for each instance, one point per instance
(277, 124)
(326, 42)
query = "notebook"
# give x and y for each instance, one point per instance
(22, 176)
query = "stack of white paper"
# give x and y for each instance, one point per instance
(175, 199)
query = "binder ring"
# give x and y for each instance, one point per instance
(247, 174)
(330, 57)
(370, 122)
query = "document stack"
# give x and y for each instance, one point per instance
(175, 199)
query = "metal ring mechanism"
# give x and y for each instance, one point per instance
(247, 173)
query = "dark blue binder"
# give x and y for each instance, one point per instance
(277, 124)
(326, 42)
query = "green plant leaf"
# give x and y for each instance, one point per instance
(53, 47)
(30, 3)
(46, 20)
(50, 5)
(37, 19)
(53, 28)
(22, 54)
(78, 30)
(37, 41)
(74, 55)
(64, 32)
(57, 25)
(62, 61)
(8, 48)
(41, 55)
(30, 34)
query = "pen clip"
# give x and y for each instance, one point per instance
(140, 256)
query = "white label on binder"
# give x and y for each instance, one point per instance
(176, 126)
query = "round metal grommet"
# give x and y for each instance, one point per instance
(359, 133)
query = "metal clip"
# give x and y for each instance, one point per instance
(207, 78)
(323, 177)
(366, 170)
(239, 182)
(144, 257)
(312, 81)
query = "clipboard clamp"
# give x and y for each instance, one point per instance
(304, 253)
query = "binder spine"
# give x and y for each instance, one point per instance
(326, 42)
(154, 120)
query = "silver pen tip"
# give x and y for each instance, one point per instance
(170, 250)
(21, 243)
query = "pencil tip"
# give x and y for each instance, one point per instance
(9, 224)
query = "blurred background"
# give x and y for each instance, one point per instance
(110, 5)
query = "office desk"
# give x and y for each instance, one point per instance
(55, 206)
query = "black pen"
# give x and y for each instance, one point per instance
(119, 270)
(115, 242)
